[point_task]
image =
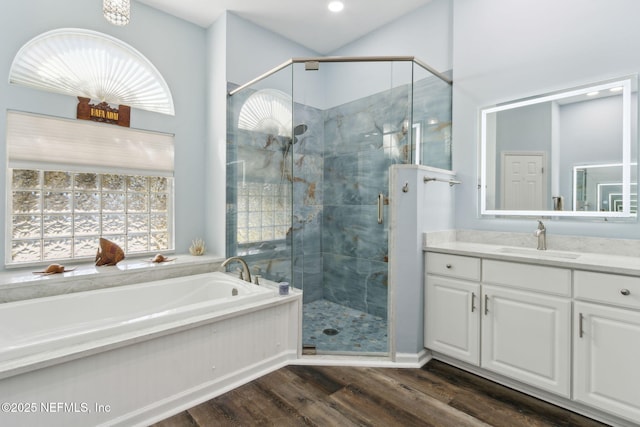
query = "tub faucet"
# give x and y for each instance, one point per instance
(541, 234)
(245, 274)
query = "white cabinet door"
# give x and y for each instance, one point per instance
(607, 359)
(452, 318)
(526, 336)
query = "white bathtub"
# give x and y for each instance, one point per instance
(132, 355)
(32, 327)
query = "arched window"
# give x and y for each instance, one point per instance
(74, 181)
(93, 65)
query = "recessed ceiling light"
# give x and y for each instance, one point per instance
(336, 6)
(616, 89)
(593, 93)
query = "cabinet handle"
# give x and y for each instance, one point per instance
(625, 292)
(486, 305)
(473, 302)
(580, 322)
(448, 266)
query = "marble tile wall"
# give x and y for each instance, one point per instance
(432, 109)
(335, 249)
(261, 157)
(362, 139)
(308, 202)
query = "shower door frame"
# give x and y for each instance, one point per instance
(312, 62)
(321, 59)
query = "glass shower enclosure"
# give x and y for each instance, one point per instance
(309, 148)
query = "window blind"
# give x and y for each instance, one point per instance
(45, 142)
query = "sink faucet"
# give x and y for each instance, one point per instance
(245, 273)
(541, 234)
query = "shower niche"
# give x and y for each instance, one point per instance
(308, 154)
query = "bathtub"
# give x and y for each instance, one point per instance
(175, 342)
(68, 321)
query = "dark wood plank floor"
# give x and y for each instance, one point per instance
(436, 395)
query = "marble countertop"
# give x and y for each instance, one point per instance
(590, 261)
(22, 284)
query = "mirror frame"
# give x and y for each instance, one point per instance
(626, 84)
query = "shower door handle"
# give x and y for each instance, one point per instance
(380, 208)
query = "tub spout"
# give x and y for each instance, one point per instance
(245, 274)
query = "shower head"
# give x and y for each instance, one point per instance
(299, 130)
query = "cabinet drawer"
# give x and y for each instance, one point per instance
(552, 280)
(607, 288)
(461, 267)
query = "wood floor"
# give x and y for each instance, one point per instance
(436, 395)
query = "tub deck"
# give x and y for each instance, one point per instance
(40, 328)
(167, 346)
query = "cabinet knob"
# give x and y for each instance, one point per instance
(625, 292)
(448, 266)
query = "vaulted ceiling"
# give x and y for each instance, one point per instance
(307, 22)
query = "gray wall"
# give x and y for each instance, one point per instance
(505, 50)
(175, 47)
(426, 34)
(590, 134)
(237, 51)
(522, 129)
(498, 50)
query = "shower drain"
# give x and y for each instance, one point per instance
(330, 331)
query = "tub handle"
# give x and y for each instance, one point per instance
(380, 208)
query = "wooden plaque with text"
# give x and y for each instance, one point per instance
(103, 112)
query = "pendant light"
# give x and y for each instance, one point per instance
(117, 11)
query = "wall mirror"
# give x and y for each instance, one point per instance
(599, 188)
(571, 153)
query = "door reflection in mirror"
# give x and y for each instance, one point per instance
(529, 149)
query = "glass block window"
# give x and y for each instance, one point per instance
(264, 212)
(60, 215)
(71, 182)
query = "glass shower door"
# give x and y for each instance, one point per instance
(356, 117)
(308, 159)
(259, 180)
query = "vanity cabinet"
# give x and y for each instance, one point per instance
(452, 297)
(606, 365)
(526, 336)
(510, 318)
(526, 324)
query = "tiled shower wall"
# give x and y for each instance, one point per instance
(340, 165)
(308, 202)
(362, 139)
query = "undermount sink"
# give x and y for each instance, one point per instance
(537, 253)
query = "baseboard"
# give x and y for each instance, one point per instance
(412, 360)
(538, 394)
(401, 360)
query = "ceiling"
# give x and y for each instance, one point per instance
(307, 22)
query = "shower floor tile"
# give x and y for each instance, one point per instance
(357, 331)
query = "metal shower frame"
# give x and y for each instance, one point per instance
(318, 60)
